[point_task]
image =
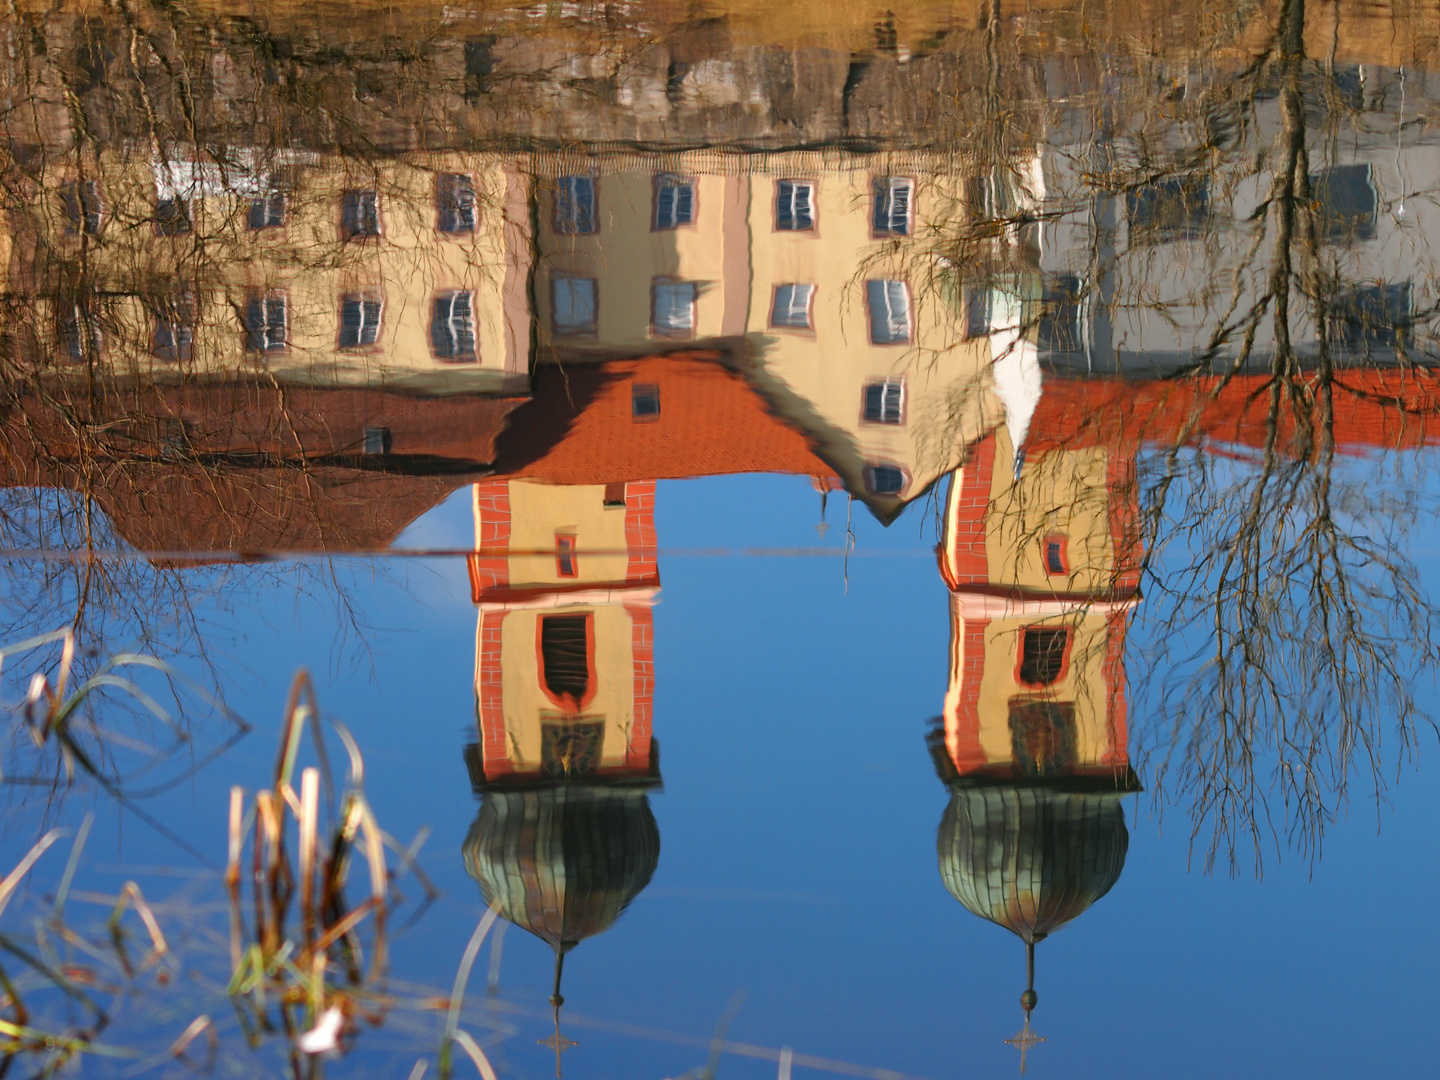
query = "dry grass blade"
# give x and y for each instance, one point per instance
(13, 879)
(462, 977)
(58, 910)
(131, 895)
(477, 1055)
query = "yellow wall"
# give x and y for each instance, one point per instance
(538, 511)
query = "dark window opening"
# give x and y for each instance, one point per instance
(172, 217)
(574, 205)
(644, 403)
(174, 337)
(1060, 318)
(267, 210)
(360, 214)
(794, 206)
(615, 493)
(455, 193)
(1042, 737)
(1042, 654)
(1055, 560)
(452, 326)
(674, 202)
(884, 402)
(81, 201)
(265, 324)
(565, 562)
(565, 655)
(359, 321)
(886, 480)
(1367, 317)
(1345, 203)
(377, 440)
(1176, 209)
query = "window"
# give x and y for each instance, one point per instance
(455, 197)
(889, 304)
(794, 205)
(885, 402)
(267, 210)
(359, 321)
(1042, 736)
(80, 333)
(644, 402)
(377, 440)
(615, 490)
(674, 201)
(1042, 654)
(452, 326)
(565, 656)
(174, 337)
(886, 480)
(360, 214)
(565, 560)
(1060, 314)
(575, 205)
(1057, 560)
(172, 217)
(791, 309)
(673, 308)
(83, 208)
(572, 305)
(1345, 203)
(1175, 209)
(265, 323)
(893, 198)
(1364, 317)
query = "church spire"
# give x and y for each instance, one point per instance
(1024, 1039)
(558, 1042)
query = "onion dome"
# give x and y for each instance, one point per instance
(563, 862)
(1030, 858)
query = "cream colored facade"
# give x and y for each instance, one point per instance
(125, 273)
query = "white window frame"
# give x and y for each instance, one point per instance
(892, 402)
(566, 282)
(791, 309)
(670, 287)
(372, 316)
(673, 183)
(884, 220)
(794, 198)
(568, 220)
(456, 325)
(263, 338)
(884, 311)
(455, 196)
(361, 232)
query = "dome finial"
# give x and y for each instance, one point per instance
(557, 1041)
(1024, 1039)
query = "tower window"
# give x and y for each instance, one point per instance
(885, 402)
(1057, 559)
(1042, 654)
(886, 480)
(794, 205)
(565, 656)
(455, 196)
(565, 559)
(674, 202)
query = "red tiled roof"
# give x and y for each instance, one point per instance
(580, 427)
(1379, 408)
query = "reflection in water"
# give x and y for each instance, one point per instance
(1043, 565)
(1160, 307)
(564, 685)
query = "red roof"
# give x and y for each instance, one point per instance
(581, 425)
(1381, 408)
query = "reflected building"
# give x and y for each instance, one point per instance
(1042, 562)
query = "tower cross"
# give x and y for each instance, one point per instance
(1023, 1040)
